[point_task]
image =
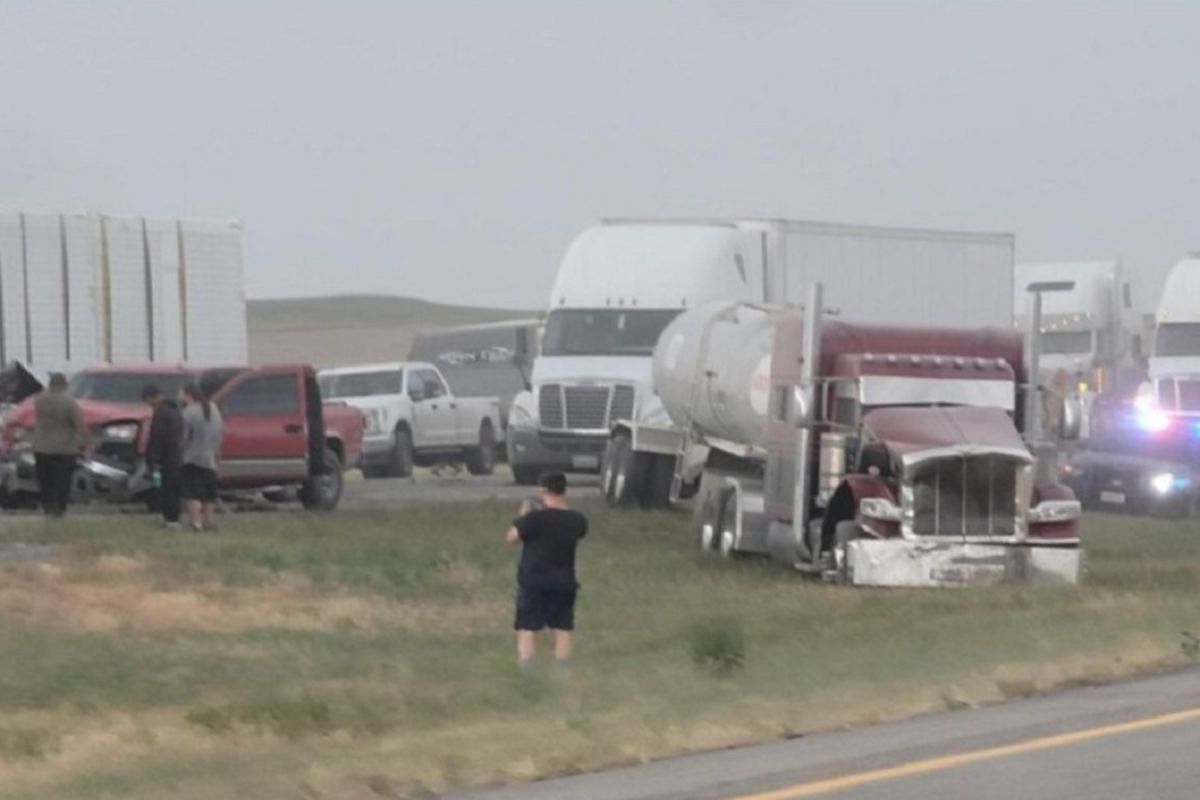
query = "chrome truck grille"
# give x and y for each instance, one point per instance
(583, 408)
(974, 496)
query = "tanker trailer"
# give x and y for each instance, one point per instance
(878, 455)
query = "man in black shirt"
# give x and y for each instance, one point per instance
(164, 453)
(548, 532)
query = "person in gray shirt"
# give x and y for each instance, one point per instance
(202, 432)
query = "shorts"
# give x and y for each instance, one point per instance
(545, 608)
(198, 484)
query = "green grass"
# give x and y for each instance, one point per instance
(366, 311)
(370, 653)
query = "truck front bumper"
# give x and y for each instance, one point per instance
(377, 449)
(566, 452)
(95, 480)
(912, 563)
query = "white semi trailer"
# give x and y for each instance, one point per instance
(1175, 359)
(623, 281)
(85, 288)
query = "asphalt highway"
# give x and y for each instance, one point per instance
(1126, 741)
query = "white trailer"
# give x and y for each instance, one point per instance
(84, 288)
(621, 282)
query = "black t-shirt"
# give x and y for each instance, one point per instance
(548, 537)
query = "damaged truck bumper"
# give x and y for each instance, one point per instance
(913, 563)
(95, 479)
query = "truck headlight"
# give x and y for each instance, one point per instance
(376, 420)
(121, 432)
(1166, 482)
(520, 417)
(880, 508)
(1055, 511)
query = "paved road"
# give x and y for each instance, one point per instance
(1122, 742)
(425, 488)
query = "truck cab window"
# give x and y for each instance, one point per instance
(263, 396)
(431, 383)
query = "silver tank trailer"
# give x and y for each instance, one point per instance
(734, 343)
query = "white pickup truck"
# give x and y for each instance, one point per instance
(412, 418)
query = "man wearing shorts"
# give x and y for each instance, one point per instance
(548, 532)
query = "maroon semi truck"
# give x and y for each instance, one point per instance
(280, 438)
(889, 456)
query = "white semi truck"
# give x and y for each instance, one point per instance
(85, 288)
(1087, 331)
(623, 281)
(1175, 358)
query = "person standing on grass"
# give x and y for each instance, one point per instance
(59, 437)
(548, 533)
(164, 453)
(202, 432)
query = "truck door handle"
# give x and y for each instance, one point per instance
(293, 427)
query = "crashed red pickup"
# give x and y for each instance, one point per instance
(280, 438)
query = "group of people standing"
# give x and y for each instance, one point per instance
(182, 453)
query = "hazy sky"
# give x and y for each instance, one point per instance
(451, 150)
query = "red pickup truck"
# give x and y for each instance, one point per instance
(279, 435)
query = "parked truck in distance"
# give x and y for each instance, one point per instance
(488, 360)
(623, 281)
(280, 437)
(413, 418)
(878, 455)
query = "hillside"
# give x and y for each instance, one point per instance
(352, 329)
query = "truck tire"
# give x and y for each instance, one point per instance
(656, 488)
(481, 460)
(627, 473)
(400, 463)
(613, 452)
(726, 529)
(323, 492)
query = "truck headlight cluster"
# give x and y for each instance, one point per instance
(376, 420)
(521, 418)
(121, 432)
(1166, 482)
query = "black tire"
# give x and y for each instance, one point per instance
(627, 473)
(655, 490)
(481, 460)
(323, 492)
(614, 451)
(400, 463)
(524, 475)
(726, 541)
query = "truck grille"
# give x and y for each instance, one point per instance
(966, 496)
(583, 408)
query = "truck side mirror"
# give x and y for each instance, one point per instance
(1070, 421)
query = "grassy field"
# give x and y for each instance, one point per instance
(368, 655)
(351, 329)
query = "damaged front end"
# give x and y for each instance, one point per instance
(967, 515)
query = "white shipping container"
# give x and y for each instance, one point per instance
(80, 288)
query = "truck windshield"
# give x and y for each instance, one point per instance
(1177, 339)
(125, 387)
(1066, 342)
(604, 331)
(361, 384)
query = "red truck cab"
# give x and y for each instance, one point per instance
(279, 434)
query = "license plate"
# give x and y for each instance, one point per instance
(585, 462)
(1117, 498)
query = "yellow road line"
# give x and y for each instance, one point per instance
(814, 788)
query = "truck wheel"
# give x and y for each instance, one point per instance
(656, 488)
(709, 527)
(481, 460)
(324, 492)
(400, 463)
(727, 521)
(613, 453)
(627, 473)
(844, 533)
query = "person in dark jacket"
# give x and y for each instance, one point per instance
(59, 437)
(164, 453)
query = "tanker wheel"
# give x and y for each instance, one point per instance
(660, 474)
(613, 452)
(710, 521)
(627, 477)
(727, 521)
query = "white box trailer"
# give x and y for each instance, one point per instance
(621, 282)
(82, 288)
